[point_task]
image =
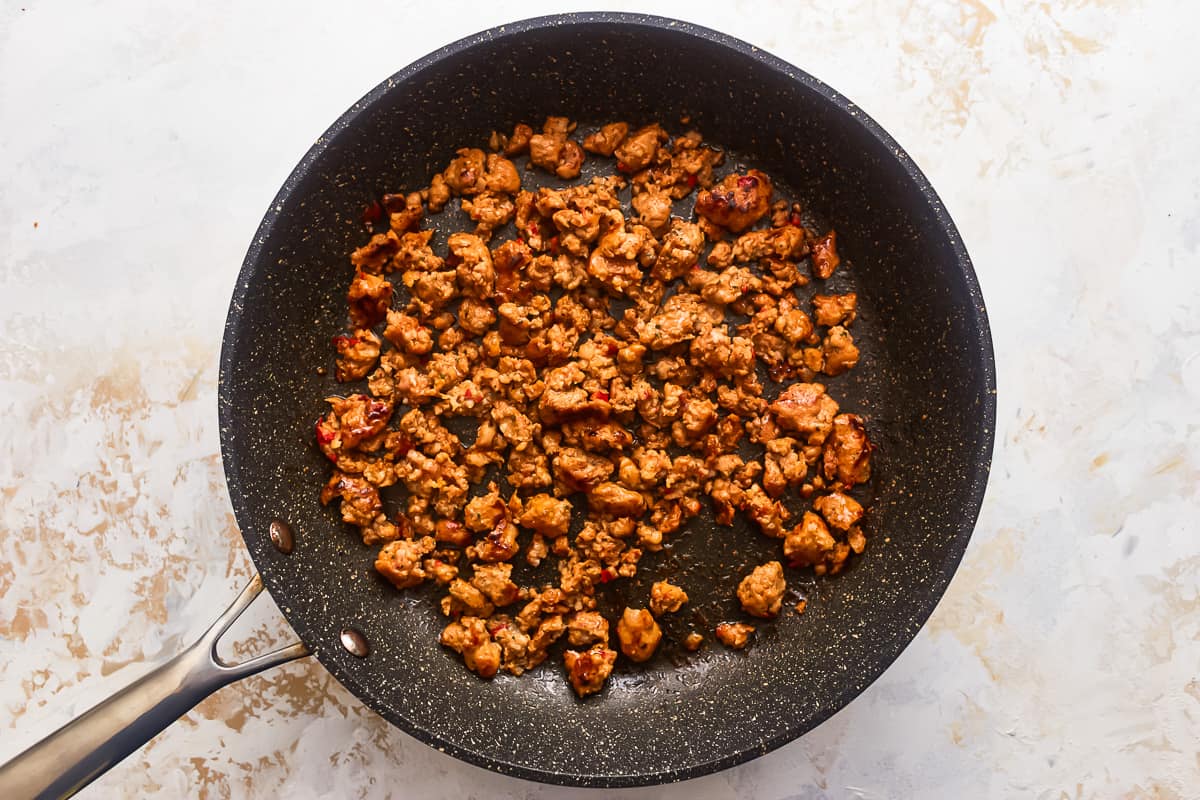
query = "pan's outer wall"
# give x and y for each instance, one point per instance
(934, 370)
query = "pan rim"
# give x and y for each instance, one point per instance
(977, 314)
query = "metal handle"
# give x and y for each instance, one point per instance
(87, 747)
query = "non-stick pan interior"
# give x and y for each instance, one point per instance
(926, 386)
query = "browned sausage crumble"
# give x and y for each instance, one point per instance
(609, 350)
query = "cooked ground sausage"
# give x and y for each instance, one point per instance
(546, 515)
(606, 356)
(604, 141)
(400, 561)
(835, 309)
(613, 498)
(495, 582)
(356, 355)
(666, 598)
(369, 298)
(553, 151)
(587, 627)
(735, 635)
(825, 257)
(470, 637)
(807, 410)
(761, 592)
(588, 670)
(841, 510)
(580, 471)
(638, 634)
(847, 454)
(809, 542)
(638, 149)
(737, 202)
(839, 351)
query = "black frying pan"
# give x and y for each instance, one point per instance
(926, 385)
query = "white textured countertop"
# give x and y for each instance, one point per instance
(140, 145)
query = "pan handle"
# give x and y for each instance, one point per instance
(83, 749)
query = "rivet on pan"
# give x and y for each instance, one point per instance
(282, 536)
(355, 642)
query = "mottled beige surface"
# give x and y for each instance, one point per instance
(139, 148)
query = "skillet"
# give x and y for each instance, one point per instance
(926, 385)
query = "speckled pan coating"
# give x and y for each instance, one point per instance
(927, 385)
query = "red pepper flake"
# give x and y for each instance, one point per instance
(324, 435)
(534, 229)
(794, 219)
(612, 348)
(372, 213)
(403, 446)
(600, 394)
(344, 341)
(554, 244)
(691, 180)
(606, 575)
(747, 182)
(622, 166)
(502, 626)
(521, 239)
